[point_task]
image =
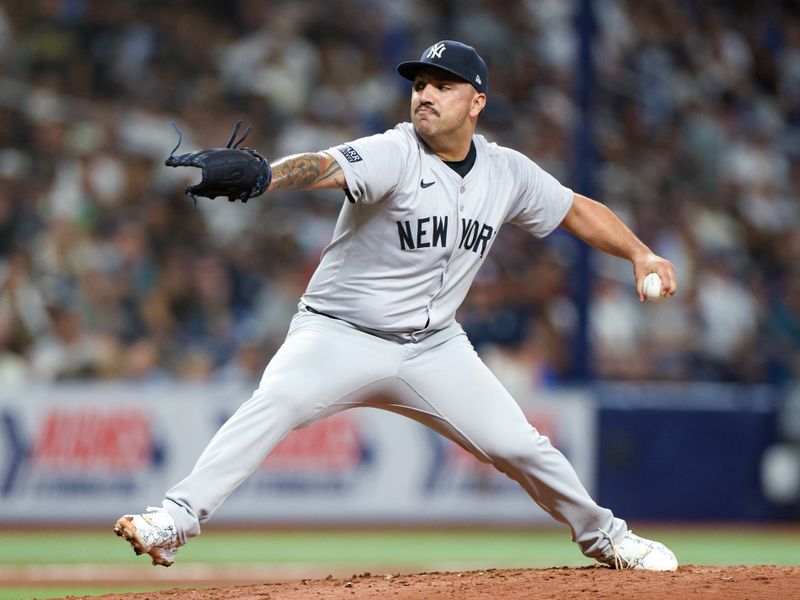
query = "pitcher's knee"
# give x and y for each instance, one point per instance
(524, 448)
(283, 405)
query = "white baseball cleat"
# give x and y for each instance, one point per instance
(635, 552)
(152, 533)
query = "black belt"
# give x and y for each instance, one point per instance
(319, 312)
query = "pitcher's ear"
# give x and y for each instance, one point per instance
(478, 103)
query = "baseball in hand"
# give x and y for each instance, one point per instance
(651, 286)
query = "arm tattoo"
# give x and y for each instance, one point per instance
(306, 171)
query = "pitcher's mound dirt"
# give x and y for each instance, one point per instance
(597, 583)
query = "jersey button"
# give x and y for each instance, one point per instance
(463, 189)
(461, 207)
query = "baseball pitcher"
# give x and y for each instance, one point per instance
(376, 325)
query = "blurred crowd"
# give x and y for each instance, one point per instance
(107, 271)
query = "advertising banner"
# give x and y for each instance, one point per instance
(90, 453)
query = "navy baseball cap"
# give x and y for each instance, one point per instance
(454, 57)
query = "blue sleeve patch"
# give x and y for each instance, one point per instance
(350, 153)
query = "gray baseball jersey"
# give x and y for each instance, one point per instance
(405, 252)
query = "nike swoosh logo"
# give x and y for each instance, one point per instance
(425, 184)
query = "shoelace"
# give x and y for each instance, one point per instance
(617, 559)
(172, 547)
(247, 131)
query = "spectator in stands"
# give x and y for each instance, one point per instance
(696, 112)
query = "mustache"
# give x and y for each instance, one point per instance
(429, 107)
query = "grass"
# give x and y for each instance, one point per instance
(390, 548)
(42, 593)
(385, 549)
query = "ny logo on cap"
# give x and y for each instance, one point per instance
(436, 50)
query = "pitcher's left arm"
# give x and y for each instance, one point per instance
(598, 226)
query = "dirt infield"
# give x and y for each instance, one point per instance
(688, 583)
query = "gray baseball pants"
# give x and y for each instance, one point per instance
(327, 365)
